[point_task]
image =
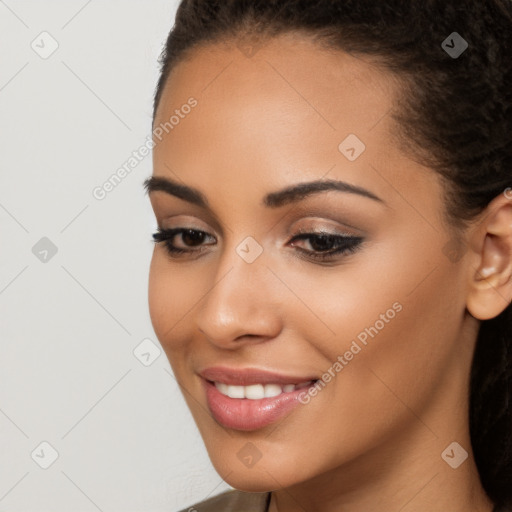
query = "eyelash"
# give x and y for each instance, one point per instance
(166, 236)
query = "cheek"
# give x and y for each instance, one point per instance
(405, 324)
(392, 320)
(171, 294)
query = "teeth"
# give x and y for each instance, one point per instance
(254, 392)
(258, 391)
(272, 390)
(235, 391)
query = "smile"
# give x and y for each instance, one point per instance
(251, 398)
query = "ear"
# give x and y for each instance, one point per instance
(490, 264)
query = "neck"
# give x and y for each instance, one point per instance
(405, 482)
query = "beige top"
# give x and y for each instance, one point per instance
(238, 501)
(233, 501)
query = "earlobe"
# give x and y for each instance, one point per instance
(490, 286)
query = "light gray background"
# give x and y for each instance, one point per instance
(69, 325)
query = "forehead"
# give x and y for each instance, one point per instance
(287, 67)
(278, 116)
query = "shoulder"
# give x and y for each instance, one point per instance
(232, 501)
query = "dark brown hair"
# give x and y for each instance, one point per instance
(454, 115)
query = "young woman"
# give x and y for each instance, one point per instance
(332, 277)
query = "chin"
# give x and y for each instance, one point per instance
(262, 477)
(252, 482)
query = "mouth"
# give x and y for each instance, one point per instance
(251, 399)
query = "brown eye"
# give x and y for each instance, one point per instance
(190, 238)
(327, 245)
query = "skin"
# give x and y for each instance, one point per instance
(372, 439)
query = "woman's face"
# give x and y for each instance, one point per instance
(382, 326)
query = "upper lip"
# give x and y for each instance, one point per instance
(249, 376)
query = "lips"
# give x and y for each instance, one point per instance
(251, 399)
(249, 376)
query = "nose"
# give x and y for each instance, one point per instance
(242, 303)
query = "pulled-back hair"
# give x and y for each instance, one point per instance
(454, 115)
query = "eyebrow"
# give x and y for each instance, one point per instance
(290, 194)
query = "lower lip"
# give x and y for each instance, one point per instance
(247, 414)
